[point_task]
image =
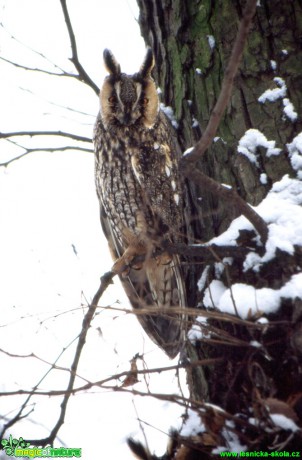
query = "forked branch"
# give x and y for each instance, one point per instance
(82, 74)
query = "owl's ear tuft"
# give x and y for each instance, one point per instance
(148, 64)
(111, 63)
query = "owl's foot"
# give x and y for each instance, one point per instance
(121, 267)
(133, 258)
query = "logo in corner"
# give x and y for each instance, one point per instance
(21, 448)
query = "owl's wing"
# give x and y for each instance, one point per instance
(153, 286)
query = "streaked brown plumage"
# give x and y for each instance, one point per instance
(140, 196)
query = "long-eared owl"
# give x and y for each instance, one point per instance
(141, 200)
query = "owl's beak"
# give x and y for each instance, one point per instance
(127, 119)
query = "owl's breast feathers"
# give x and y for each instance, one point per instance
(136, 172)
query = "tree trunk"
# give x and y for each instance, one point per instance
(192, 42)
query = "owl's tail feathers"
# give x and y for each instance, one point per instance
(168, 292)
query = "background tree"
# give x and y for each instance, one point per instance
(192, 42)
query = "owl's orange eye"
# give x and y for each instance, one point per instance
(145, 101)
(112, 99)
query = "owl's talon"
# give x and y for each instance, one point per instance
(123, 265)
(137, 265)
(120, 267)
(125, 273)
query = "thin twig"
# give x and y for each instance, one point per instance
(72, 136)
(36, 69)
(38, 53)
(19, 415)
(100, 383)
(44, 149)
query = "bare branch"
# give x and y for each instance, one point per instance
(72, 136)
(75, 137)
(43, 149)
(36, 69)
(100, 383)
(229, 195)
(34, 356)
(206, 253)
(38, 53)
(83, 75)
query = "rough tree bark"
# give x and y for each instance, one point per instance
(192, 42)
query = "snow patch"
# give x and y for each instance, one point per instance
(295, 154)
(232, 441)
(203, 279)
(263, 178)
(198, 331)
(195, 123)
(255, 343)
(282, 211)
(213, 294)
(193, 425)
(251, 140)
(246, 301)
(284, 422)
(168, 111)
(211, 41)
(274, 94)
(189, 150)
(273, 64)
(289, 109)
